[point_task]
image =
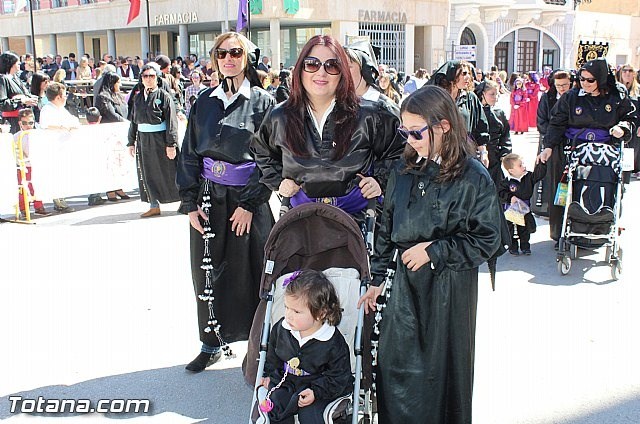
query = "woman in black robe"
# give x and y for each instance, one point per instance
(596, 110)
(499, 132)
(14, 95)
(455, 77)
(441, 211)
(153, 138)
(221, 192)
(323, 144)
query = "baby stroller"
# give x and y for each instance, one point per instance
(321, 237)
(592, 208)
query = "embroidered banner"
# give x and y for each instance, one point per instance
(589, 51)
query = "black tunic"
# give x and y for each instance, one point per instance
(576, 110)
(110, 110)
(156, 172)
(373, 147)
(327, 363)
(499, 140)
(11, 86)
(471, 109)
(225, 134)
(426, 350)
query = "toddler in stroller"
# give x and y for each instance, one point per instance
(592, 207)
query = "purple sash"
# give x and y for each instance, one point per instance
(352, 202)
(225, 173)
(517, 98)
(591, 135)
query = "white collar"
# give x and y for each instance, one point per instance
(371, 94)
(323, 334)
(511, 177)
(320, 125)
(245, 90)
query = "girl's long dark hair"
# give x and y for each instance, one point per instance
(319, 293)
(109, 80)
(435, 104)
(36, 81)
(345, 111)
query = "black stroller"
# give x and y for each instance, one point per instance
(593, 204)
(324, 238)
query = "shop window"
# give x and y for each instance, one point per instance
(391, 40)
(527, 56)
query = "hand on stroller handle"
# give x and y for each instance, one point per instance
(370, 298)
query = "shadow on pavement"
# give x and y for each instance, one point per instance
(172, 391)
(627, 411)
(121, 218)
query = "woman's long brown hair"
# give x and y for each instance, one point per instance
(345, 111)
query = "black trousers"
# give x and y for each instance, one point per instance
(519, 234)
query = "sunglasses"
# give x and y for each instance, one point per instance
(589, 80)
(627, 70)
(416, 134)
(313, 64)
(28, 122)
(235, 53)
(148, 75)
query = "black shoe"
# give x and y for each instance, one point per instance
(526, 252)
(514, 252)
(95, 201)
(202, 361)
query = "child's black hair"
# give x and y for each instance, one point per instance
(93, 114)
(320, 295)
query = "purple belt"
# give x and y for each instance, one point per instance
(352, 202)
(225, 173)
(517, 98)
(596, 135)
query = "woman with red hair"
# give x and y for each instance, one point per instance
(322, 144)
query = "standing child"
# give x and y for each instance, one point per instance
(519, 185)
(533, 91)
(308, 363)
(519, 118)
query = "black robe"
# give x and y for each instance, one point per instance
(327, 362)
(110, 110)
(471, 109)
(499, 140)
(156, 172)
(225, 134)
(575, 110)
(426, 350)
(11, 86)
(373, 147)
(540, 198)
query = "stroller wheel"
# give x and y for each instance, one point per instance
(564, 265)
(616, 265)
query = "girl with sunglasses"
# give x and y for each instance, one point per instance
(597, 110)
(454, 77)
(221, 193)
(442, 214)
(323, 144)
(627, 76)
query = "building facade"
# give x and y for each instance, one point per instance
(411, 33)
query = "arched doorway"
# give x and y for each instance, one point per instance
(468, 38)
(526, 49)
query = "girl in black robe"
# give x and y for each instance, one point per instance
(441, 211)
(221, 192)
(153, 138)
(14, 95)
(597, 110)
(499, 134)
(323, 144)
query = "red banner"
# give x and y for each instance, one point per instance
(134, 10)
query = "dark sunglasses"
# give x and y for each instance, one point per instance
(416, 134)
(149, 75)
(28, 122)
(235, 53)
(589, 80)
(313, 64)
(627, 70)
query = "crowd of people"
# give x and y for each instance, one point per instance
(338, 127)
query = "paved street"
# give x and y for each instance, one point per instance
(98, 304)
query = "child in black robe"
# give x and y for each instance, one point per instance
(519, 184)
(308, 363)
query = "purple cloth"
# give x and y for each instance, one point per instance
(225, 173)
(595, 135)
(243, 15)
(351, 203)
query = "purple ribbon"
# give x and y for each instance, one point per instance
(595, 135)
(351, 203)
(225, 173)
(295, 371)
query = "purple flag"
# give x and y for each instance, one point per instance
(243, 15)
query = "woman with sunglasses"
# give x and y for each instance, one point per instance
(597, 110)
(153, 140)
(627, 76)
(227, 205)
(323, 144)
(454, 77)
(442, 214)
